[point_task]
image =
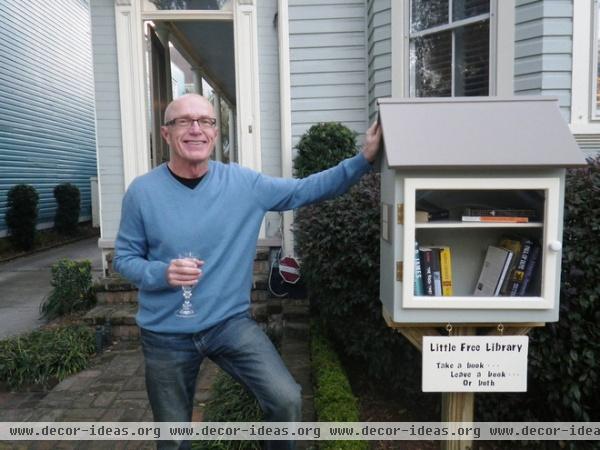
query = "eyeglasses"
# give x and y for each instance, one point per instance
(186, 122)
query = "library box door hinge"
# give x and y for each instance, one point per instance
(399, 271)
(400, 213)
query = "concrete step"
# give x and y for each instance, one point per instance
(121, 318)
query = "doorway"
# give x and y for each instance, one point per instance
(190, 56)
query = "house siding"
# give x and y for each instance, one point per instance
(328, 64)
(268, 67)
(108, 116)
(47, 131)
(543, 50)
(379, 29)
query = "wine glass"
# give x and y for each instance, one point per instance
(186, 310)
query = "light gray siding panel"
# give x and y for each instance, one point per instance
(379, 52)
(328, 64)
(543, 49)
(47, 132)
(268, 57)
(270, 120)
(108, 116)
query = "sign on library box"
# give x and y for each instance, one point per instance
(475, 363)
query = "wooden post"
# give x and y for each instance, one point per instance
(456, 406)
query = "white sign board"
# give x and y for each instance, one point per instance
(475, 363)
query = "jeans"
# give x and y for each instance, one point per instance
(240, 347)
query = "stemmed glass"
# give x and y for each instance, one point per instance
(186, 310)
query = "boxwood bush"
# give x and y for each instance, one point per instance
(323, 146)
(21, 215)
(334, 400)
(41, 356)
(68, 200)
(564, 373)
(71, 288)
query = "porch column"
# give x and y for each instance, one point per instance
(130, 62)
(219, 141)
(197, 73)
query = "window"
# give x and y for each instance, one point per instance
(449, 48)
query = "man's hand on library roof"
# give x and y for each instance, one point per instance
(372, 142)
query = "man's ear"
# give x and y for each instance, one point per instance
(164, 132)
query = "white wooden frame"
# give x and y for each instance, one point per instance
(584, 120)
(502, 32)
(550, 262)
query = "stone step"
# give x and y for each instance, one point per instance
(262, 254)
(295, 312)
(116, 297)
(296, 329)
(121, 318)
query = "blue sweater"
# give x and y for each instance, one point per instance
(219, 221)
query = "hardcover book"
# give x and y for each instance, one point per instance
(529, 270)
(446, 269)
(436, 271)
(495, 265)
(519, 272)
(426, 255)
(419, 290)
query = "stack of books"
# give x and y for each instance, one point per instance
(498, 215)
(433, 271)
(508, 268)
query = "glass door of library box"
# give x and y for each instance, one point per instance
(487, 231)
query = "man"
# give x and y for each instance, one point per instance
(213, 210)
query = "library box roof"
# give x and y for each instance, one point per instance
(524, 132)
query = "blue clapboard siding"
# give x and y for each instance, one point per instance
(47, 133)
(328, 64)
(543, 49)
(380, 52)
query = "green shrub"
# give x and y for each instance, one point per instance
(334, 400)
(72, 288)
(21, 215)
(230, 402)
(323, 146)
(40, 356)
(563, 357)
(67, 211)
(338, 241)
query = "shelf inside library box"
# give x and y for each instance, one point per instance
(461, 224)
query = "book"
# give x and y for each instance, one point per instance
(493, 271)
(446, 269)
(426, 255)
(418, 290)
(514, 245)
(529, 268)
(492, 212)
(519, 273)
(427, 211)
(493, 219)
(436, 271)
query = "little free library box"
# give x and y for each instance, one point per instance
(472, 193)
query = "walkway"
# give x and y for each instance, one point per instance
(113, 390)
(25, 282)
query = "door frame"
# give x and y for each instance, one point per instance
(129, 20)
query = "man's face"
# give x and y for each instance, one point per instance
(194, 144)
